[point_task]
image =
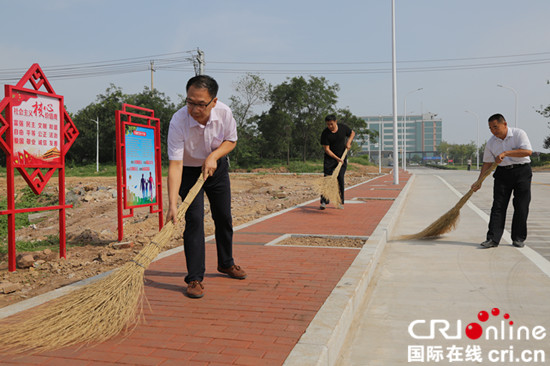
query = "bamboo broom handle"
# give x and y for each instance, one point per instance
(162, 237)
(487, 172)
(480, 180)
(189, 198)
(339, 166)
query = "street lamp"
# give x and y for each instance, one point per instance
(380, 142)
(477, 143)
(404, 142)
(516, 95)
(97, 142)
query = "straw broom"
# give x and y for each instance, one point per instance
(95, 312)
(448, 221)
(328, 186)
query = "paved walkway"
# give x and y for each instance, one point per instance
(424, 287)
(261, 320)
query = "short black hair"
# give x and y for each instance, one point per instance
(204, 81)
(497, 117)
(330, 117)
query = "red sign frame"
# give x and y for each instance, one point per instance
(140, 123)
(30, 166)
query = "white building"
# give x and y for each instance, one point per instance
(422, 134)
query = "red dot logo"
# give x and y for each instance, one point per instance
(483, 316)
(474, 331)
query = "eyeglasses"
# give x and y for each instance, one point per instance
(197, 105)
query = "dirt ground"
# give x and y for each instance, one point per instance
(92, 226)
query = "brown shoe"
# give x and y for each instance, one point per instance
(195, 290)
(234, 272)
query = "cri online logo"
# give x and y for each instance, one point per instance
(474, 330)
(505, 331)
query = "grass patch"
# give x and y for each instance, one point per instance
(294, 166)
(360, 159)
(24, 198)
(305, 167)
(51, 242)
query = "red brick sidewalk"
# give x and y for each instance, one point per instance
(256, 321)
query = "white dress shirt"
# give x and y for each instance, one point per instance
(515, 139)
(191, 142)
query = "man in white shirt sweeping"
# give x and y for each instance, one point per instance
(511, 149)
(200, 136)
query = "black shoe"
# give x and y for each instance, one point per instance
(489, 244)
(518, 244)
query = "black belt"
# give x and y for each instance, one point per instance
(512, 166)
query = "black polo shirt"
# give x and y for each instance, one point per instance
(336, 141)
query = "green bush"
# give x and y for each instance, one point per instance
(360, 159)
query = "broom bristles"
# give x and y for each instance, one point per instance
(448, 221)
(328, 186)
(95, 312)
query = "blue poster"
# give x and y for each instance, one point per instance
(140, 165)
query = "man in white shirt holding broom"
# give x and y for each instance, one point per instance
(200, 136)
(335, 139)
(510, 148)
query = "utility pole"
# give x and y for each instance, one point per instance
(96, 120)
(152, 70)
(394, 103)
(200, 60)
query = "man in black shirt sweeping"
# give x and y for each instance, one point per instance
(335, 139)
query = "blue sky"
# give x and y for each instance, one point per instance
(478, 43)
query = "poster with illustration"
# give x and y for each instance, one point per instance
(36, 130)
(140, 165)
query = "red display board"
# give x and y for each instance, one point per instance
(35, 133)
(139, 173)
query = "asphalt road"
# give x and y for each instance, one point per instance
(538, 224)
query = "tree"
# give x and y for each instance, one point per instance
(358, 125)
(251, 91)
(103, 110)
(545, 113)
(457, 152)
(443, 149)
(163, 107)
(305, 103)
(275, 127)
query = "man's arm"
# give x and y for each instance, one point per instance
(175, 169)
(329, 152)
(350, 140)
(518, 153)
(211, 163)
(476, 186)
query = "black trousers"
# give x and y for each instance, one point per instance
(218, 190)
(518, 181)
(328, 168)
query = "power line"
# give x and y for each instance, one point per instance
(381, 62)
(102, 68)
(381, 70)
(182, 62)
